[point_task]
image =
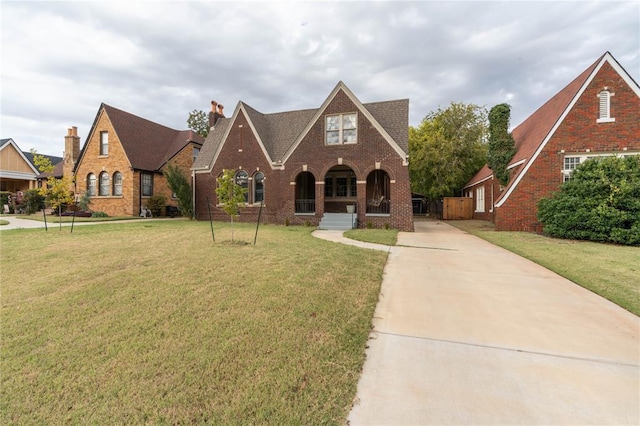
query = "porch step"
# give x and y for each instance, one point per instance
(338, 221)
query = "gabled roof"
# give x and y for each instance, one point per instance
(5, 143)
(279, 134)
(148, 145)
(532, 134)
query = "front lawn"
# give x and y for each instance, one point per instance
(388, 237)
(152, 322)
(612, 271)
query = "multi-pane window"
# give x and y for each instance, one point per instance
(341, 129)
(258, 187)
(242, 179)
(604, 115)
(91, 184)
(104, 184)
(480, 199)
(147, 184)
(570, 163)
(117, 183)
(104, 143)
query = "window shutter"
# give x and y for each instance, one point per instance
(604, 104)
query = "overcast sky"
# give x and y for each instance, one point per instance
(161, 60)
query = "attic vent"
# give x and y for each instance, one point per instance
(605, 107)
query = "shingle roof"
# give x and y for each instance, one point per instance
(279, 131)
(148, 145)
(532, 132)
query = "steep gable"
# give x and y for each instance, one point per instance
(279, 134)
(383, 114)
(147, 145)
(533, 134)
(15, 160)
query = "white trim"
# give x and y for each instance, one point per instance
(341, 86)
(7, 174)
(607, 58)
(479, 181)
(19, 151)
(516, 164)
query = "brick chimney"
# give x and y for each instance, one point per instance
(215, 114)
(71, 151)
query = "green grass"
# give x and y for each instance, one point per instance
(51, 219)
(388, 237)
(4, 222)
(612, 271)
(152, 322)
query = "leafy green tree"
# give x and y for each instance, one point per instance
(198, 121)
(56, 191)
(447, 149)
(601, 202)
(501, 143)
(180, 186)
(41, 162)
(230, 195)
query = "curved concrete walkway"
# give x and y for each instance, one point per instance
(468, 333)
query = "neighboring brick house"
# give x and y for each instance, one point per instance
(123, 158)
(597, 114)
(312, 163)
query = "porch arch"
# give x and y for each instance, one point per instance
(378, 192)
(305, 193)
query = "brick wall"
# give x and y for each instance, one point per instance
(312, 155)
(128, 204)
(578, 132)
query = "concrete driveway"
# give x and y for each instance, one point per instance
(468, 333)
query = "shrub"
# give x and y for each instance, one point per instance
(32, 201)
(156, 203)
(601, 202)
(99, 214)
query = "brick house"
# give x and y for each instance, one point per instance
(122, 161)
(308, 165)
(597, 114)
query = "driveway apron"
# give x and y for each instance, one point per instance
(468, 333)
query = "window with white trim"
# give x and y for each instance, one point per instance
(341, 129)
(480, 199)
(104, 143)
(242, 179)
(91, 184)
(147, 184)
(604, 115)
(258, 187)
(117, 183)
(104, 184)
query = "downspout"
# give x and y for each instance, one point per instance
(193, 194)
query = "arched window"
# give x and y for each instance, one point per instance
(258, 187)
(91, 184)
(242, 179)
(117, 183)
(104, 184)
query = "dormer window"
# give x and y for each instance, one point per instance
(341, 129)
(605, 107)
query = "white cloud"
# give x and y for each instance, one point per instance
(60, 60)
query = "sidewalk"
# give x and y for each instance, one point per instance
(468, 333)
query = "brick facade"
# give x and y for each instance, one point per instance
(371, 152)
(579, 133)
(117, 160)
